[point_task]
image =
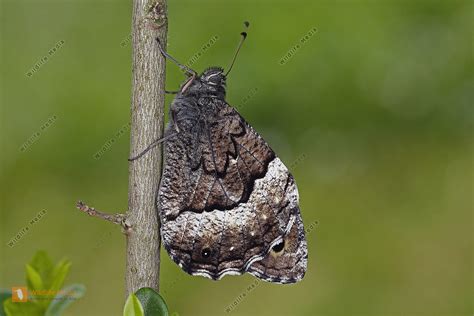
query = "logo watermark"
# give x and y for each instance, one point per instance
(108, 144)
(247, 98)
(194, 58)
(126, 40)
(292, 51)
(40, 63)
(252, 286)
(297, 161)
(36, 135)
(24, 230)
(20, 294)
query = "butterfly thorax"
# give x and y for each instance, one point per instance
(200, 102)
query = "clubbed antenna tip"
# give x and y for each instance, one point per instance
(244, 36)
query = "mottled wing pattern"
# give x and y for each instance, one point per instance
(227, 204)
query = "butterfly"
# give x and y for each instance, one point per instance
(227, 203)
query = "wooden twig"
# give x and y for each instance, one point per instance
(147, 120)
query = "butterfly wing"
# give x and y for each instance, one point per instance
(227, 204)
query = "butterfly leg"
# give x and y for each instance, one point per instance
(173, 118)
(151, 146)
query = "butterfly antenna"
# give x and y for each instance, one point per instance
(242, 39)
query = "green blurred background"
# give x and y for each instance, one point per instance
(373, 115)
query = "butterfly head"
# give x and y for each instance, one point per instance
(212, 80)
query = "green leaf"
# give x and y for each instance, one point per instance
(33, 279)
(153, 304)
(22, 309)
(59, 274)
(66, 297)
(133, 307)
(4, 295)
(44, 266)
(43, 275)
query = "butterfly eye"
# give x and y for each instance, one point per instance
(279, 247)
(214, 79)
(206, 253)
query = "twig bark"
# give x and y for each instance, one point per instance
(147, 108)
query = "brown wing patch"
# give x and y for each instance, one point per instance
(232, 157)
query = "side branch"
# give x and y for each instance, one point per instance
(118, 218)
